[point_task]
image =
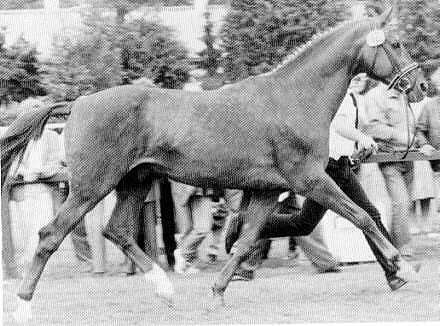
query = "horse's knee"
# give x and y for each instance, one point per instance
(366, 223)
(48, 243)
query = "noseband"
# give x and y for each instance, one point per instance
(401, 82)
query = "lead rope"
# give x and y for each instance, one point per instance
(356, 121)
(409, 143)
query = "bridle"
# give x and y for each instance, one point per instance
(401, 83)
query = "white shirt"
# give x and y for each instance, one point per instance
(339, 145)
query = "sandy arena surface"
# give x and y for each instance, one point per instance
(284, 291)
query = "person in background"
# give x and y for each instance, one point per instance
(428, 133)
(423, 188)
(33, 197)
(388, 125)
(193, 216)
(219, 213)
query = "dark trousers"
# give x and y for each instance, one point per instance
(168, 221)
(281, 225)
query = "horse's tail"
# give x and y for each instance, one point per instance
(29, 126)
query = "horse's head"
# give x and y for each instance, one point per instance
(384, 58)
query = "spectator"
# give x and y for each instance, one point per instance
(390, 128)
(34, 204)
(422, 187)
(219, 214)
(428, 132)
(193, 217)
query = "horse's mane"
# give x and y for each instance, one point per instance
(301, 49)
(316, 38)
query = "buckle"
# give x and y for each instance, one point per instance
(399, 77)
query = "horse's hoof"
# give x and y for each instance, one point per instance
(23, 312)
(164, 288)
(408, 272)
(217, 302)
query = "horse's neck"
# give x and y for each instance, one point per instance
(323, 71)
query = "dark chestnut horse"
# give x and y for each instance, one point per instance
(265, 135)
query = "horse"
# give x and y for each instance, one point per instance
(265, 135)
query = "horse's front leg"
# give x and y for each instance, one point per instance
(322, 189)
(261, 205)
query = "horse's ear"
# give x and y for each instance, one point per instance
(386, 17)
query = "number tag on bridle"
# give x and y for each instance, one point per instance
(375, 38)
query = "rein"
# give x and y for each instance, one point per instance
(409, 143)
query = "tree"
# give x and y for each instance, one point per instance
(123, 7)
(258, 34)
(20, 71)
(149, 49)
(20, 4)
(108, 52)
(82, 67)
(210, 55)
(419, 26)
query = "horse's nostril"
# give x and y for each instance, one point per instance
(424, 87)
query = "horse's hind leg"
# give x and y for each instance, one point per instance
(121, 230)
(51, 236)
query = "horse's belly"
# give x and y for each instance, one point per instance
(253, 178)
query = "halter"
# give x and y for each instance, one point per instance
(401, 83)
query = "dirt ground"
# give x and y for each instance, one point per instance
(284, 291)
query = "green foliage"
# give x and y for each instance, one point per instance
(21, 4)
(83, 67)
(177, 2)
(149, 49)
(20, 71)
(69, 3)
(218, 2)
(107, 52)
(419, 25)
(258, 34)
(210, 55)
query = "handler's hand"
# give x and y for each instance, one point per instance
(367, 142)
(427, 150)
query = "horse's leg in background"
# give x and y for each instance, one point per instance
(51, 236)
(261, 205)
(120, 229)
